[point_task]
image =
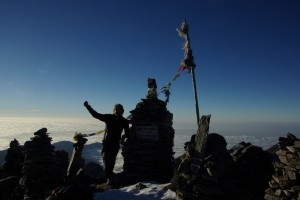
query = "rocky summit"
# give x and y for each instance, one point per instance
(244, 172)
(207, 170)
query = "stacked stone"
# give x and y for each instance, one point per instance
(40, 171)
(14, 159)
(285, 182)
(10, 171)
(152, 156)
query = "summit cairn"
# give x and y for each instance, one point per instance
(148, 152)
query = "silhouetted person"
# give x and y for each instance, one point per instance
(115, 124)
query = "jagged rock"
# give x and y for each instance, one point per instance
(76, 162)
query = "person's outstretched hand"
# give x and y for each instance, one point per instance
(86, 103)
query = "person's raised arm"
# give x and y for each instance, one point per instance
(94, 113)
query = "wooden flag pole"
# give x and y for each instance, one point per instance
(188, 61)
(195, 94)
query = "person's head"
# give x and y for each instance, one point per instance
(118, 110)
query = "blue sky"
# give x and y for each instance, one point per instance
(54, 55)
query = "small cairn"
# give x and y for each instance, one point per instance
(285, 182)
(14, 159)
(40, 171)
(10, 170)
(148, 152)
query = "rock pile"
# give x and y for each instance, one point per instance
(10, 170)
(13, 160)
(41, 170)
(253, 168)
(285, 182)
(148, 152)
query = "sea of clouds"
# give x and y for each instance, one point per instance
(63, 129)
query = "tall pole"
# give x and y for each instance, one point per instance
(196, 96)
(188, 61)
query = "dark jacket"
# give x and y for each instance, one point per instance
(113, 129)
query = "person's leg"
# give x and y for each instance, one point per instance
(108, 164)
(109, 159)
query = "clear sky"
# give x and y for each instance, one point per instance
(56, 54)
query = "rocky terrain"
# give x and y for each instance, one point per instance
(36, 171)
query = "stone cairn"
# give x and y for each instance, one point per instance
(10, 170)
(43, 168)
(148, 152)
(285, 182)
(14, 159)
